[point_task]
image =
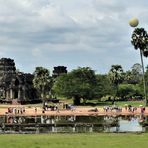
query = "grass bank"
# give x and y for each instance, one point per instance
(118, 103)
(90, 103)
(95, 140)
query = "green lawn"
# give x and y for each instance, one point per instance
(119, 103)
(133, 103)
(97, 140)
(89, 103)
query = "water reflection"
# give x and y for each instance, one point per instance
(46, 124)
(128, 124)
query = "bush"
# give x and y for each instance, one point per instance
(129, 91)
(106, 98)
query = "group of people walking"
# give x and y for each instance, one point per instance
(127, 108)
(16, 110)
(63, 107)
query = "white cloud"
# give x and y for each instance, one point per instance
(36, 52)
(69, 31)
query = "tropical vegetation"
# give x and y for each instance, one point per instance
(83, 84)
(42, 82)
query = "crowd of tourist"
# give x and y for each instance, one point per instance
(66, 107)
(16, 110)
(128, 108)
(57, 107)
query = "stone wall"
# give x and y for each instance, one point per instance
(15, 85)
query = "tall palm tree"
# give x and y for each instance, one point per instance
(42, 82)
(140, 41)
(116, 77)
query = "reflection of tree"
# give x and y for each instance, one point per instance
(89, 119)
(63, 123)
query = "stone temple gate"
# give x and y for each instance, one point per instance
(15, 85)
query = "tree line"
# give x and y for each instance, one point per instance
(84, 84)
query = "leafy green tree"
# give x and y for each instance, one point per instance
(103, 86)
(116, 77)
(137, 69)
(77, 84)
(134, 76)
(42, 82)
(129, 90)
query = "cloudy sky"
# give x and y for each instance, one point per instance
(72, 33)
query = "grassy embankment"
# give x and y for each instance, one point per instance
(118, 103)
(96, 140)
(89, 103)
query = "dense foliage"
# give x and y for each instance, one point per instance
(78, 84)
(84, 84)
(42, 81)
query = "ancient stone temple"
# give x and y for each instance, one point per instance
(15, 85)
(59, 70)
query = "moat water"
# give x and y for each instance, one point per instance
(72, 124)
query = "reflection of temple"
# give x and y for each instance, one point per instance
(15, 85)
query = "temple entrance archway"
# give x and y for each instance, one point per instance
(16, 95)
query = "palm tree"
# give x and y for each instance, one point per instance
(116, 77)
(140, 41)
(42, 82)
